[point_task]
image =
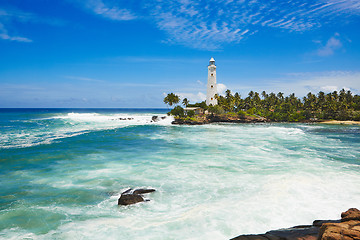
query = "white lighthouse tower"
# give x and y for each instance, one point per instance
(211, 84)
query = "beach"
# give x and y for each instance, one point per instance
(341, 122)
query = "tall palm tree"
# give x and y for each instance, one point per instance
(185, 102)
(171, 99)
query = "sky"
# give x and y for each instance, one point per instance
(130, 53)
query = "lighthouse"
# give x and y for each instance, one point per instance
(211, 84)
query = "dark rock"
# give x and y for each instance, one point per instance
(131, 196)
(127, 191)
(299, 232)
(128, 199)
(318, 223)
(163, 117)
(143, 191)
(155, 118)
(348, 228)
(256, 237)
(351, 214)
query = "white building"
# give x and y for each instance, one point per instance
(211, 84)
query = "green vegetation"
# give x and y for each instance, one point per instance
(337, 106)
(342, 105)
(171, 99)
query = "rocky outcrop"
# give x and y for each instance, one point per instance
(143, 191)
(304, 232)
(123, 119)
(351, 214)
(128, 199)
(348, 228)
(154, 119)
(131, 196)
(226, 118)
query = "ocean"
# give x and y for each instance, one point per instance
(63, 170)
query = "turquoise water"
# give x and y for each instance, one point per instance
(63, 170)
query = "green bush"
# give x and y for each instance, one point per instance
(241, 114)
(216, 109)
(191, 113)
(177, 111)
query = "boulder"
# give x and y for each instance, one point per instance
(128, 199)
(347, 229)
(131, 196)
(307, 232)
(155, 119)
(143, 191)
(351, 214)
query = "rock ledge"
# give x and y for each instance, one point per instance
(348, 228)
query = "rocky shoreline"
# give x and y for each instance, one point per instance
(206, 119)
(347, 228)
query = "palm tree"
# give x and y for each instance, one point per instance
(171, 99)
(185, 102)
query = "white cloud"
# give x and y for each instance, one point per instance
(221, 88)
(329, 88)
(331, 46)
(109, 10)
(211, 24)
(8, 16)
(83, 79)
(193, 97)
(302, 83)
(200, 82)
(5, 36)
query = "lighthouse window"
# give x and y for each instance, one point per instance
(212, 86)
(211, 98)
(212, 74)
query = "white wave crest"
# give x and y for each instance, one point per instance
(73, 124)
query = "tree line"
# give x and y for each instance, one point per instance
(342, 105)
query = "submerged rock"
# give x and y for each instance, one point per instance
(128, 199)
(131, 196)
(143, 191)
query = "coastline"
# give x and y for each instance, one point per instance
(345, 228)
(338, 122)
(207, 119)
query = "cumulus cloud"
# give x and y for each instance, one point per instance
(193, 97)
(221, 88)
(330, 47)
(303, 83)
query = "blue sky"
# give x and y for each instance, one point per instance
(117, 53)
